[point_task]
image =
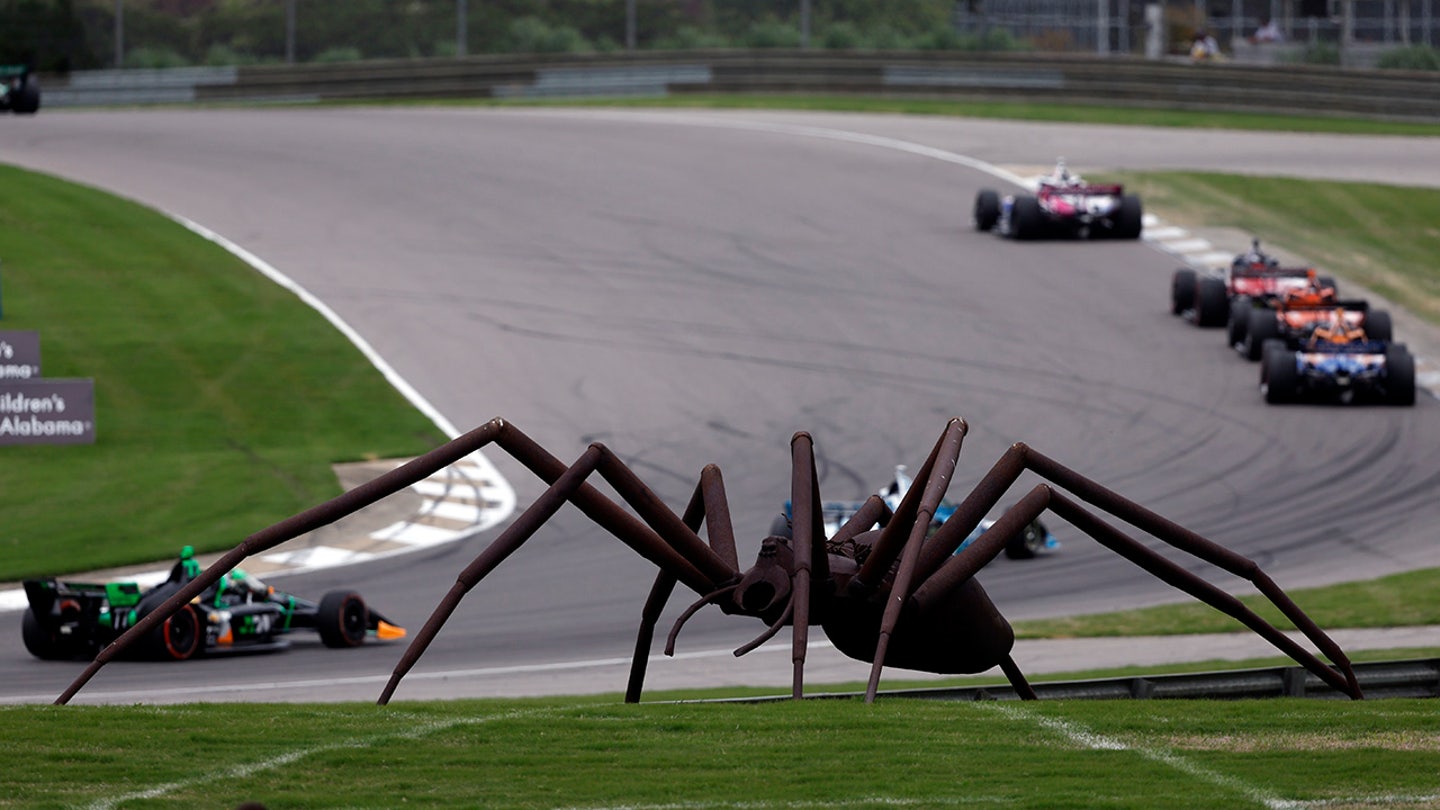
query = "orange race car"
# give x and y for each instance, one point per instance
(1293, 318)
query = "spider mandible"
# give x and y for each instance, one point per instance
(885, 596)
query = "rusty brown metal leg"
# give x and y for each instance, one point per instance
(804, 502)
(311, 519)
(946, 454)
(665, 540)
(1017, 679)
(1342, 681)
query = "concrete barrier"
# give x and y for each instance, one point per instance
(1300, 89)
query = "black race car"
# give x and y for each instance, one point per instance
(19, 90)
(68, 620)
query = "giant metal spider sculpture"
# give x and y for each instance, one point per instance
(886, 596)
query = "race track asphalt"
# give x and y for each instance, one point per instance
(694, 287)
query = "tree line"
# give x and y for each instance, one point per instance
(63, 35)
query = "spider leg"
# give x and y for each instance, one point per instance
(811, 560)
(892, 540)
(954, 569)
(708, 501)
(309, 520)
(677, 550)
(936, 478)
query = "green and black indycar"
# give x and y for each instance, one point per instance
(19, 89)
(239, 613)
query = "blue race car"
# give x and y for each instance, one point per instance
(1355, 370)
(1029, 543)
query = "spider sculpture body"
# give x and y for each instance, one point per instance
(898, 595)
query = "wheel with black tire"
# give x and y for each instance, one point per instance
(1129, 219)
(1028, 543)
(1378, 326)
(1212, 302)
(987, 209)
(1278, 373)
(1399, 376)
(177, 638)
(342, 619)
(1182, 291)
(1263, 326)
(25, 99)
(1027, 221)
(40, 641)
(1239, 323)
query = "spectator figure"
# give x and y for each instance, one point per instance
(1268, 31)
(1204, 47)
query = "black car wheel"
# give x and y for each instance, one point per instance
(987, 209)
(1378, 327)
(175, 639)
(1027, 221)
(1129, 220)
(1399, 376)
(1263, 326)
(1239, 323)
(1028, 543)
(1182, 291)
(1212, 302)
(42, 642)
(1278, 374)
(342, 619)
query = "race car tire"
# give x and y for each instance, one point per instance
(1028, 543)
(1129, 220)
(1278, 374)
(1378, 326)
(1239, 323)
(1182, 291)
(1212, 302)
(1263, 326)
(987, 209)
(25, 99)
(177, 638)
(1026, 219)
(40, 642)
(1399, 376)
(342, 619)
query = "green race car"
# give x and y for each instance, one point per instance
(239, 613)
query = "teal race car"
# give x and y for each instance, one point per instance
(239, 613)
(1033, 541)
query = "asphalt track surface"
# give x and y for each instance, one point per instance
(694, 287)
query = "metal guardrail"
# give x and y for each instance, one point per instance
(1412, 678)
(1398, 95)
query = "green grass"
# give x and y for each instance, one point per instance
(1400, 600)
(221, 399)
(599, 753)
(1019, 111)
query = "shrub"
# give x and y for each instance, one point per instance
(534, 35)
(346, 54)
(155, 58)
(1415, 57)
(689, 38)
(772, 34)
